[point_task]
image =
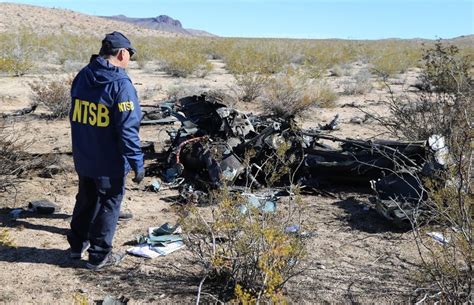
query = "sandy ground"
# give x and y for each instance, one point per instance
(354, 256)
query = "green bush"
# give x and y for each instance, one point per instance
(18, 52)
(447, 70)
(182, 58)
(445, 108)
(6, 240)
(391, 58)
(359, 84)
(251, 86)
(245, 256)
(292, 95)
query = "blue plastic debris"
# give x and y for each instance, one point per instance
(292, 229)
(265, 204)
(269, 207)
(154, 186)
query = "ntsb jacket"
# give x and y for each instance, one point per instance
(105, 120)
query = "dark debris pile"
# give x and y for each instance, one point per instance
(217, 145)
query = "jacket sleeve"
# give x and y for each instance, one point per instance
(127, 122)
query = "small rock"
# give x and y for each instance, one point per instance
(42, 206)
(50, 171)
(357, 120)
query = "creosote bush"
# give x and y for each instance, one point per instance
(54, 95)
(445, 108)
(446, 70)
(292, 95)
(246, 255)
(6, 240)
(251, 86)
(183, 64)
(359, 84)
(391, 58)
(182, 57)
(17, 51)
(11, 156)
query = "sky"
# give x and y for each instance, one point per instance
(346, 19)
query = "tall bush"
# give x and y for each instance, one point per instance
(445, 108)
(54, 95)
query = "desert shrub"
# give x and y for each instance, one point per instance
(72, 47)
(15, 160)
(183, 57)
(319, 58)
(21, 49)
(71, 66)
(446, 70)
(15, 65)
(445, 272)
(246, 255)
(391, 58)
(360, 84)
(17, 50)
(147, 50)
(183, 64)
(6, 240)
(251, 86)
(54, 95)
(324, 94)
(179, 90)
(149, 92)
(292, 95)
(79, 298)
(441, 108)
(338, 71)
(262, 56)
(445, 109)
(11, 156)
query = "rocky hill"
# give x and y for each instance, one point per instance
(162, 22)
(51, 20)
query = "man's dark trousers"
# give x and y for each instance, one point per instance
(95, 215)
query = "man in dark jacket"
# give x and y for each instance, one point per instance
(105, 119)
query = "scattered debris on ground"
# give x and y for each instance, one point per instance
(217, 145)
(160, 241)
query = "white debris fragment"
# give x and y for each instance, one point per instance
(439, 237)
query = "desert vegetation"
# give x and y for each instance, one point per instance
(53, 94)
(242, 56)
(444, 107)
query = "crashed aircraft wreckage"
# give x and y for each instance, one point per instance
(217, 145)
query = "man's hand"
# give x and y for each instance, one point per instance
(139, 176)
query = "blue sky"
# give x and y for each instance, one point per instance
(353, 19)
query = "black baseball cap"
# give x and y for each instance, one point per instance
(116, 40)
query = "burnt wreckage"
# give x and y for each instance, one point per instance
(217, 145)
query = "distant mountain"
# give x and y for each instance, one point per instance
(463, 40)
(162, 23)
(43, 20)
